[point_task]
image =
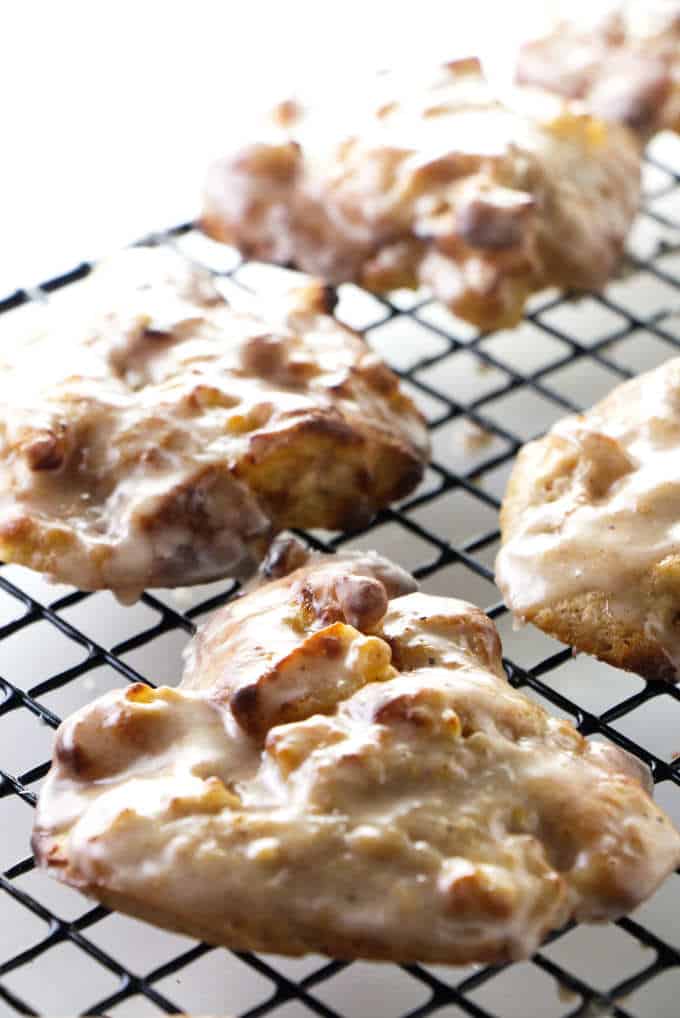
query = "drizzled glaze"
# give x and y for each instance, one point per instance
(621, 57)
(153, 435)
(434, 182)
(598, 510)
(372, 788)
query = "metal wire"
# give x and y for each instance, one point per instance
(445, 992)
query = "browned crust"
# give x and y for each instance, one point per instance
(623, 76)
(323, 603)
(204, 471)
(583, 622)
(324, 471)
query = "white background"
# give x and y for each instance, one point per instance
(111, 112)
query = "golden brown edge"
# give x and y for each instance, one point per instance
(583, 621)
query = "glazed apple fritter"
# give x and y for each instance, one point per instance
(157, 436)
(439, 184)
(345, 769)
(591, 550)
(621, 58)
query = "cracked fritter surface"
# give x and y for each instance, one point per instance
(157, 436)
(439, 184)
(345, 769)
(621, 57)
(591, 551)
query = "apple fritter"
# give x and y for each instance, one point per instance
(439, 184)
(153, 435)
(345, 769)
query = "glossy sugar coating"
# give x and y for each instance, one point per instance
(591, 549)
(345, 769)
(434, 182)
(154, 435)
(621, 58)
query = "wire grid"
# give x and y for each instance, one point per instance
(468, 384)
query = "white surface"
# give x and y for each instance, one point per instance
(111, 112)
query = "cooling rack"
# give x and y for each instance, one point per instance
(483, 395)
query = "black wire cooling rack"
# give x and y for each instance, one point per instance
(483, 394)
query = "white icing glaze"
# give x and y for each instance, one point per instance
(604, 511)
(418, 809)
(128, 436)
(434, 181)
(621, 57)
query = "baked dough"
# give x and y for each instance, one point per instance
(591, 548)
(622, 58)
(345, 769)
(153, 435)
(439, 185)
